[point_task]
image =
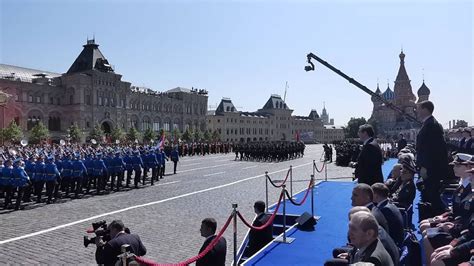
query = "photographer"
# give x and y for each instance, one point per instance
(107, 252)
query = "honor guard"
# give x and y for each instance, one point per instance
(164, 158)
(66, 174)
(99, 172)
(78, 173)
(137, 167)
(30, 171)
(118, 166)
(7, 174)
(88, 178)
(39, 180)
(128, 166)
(52, 176)
(20, 181)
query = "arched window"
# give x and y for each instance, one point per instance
(54, 121)
(156, 124)
(146, 124)
(34, 117)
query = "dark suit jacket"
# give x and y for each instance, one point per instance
(215, 257)
(390, 246)
(431, 150)
(369, 163)
(376, 253)
(402, 143)
(108, 254)
(394, 220)
(381, 220)
(259, 238)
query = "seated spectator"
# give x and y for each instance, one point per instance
(217, 255)
(259, 238)
(362, 195)
(363, 234)
(391, 212)
(393, 181)
(406, 192)
(341, 255)
(441, 234)
(107, 253)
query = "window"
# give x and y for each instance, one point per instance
(166, 126)
(71, 99)
(30, 98)
(156, 126)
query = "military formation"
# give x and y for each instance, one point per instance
(269, 151)
(57, 171)
(461, 140)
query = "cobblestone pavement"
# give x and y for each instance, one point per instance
(167, 216)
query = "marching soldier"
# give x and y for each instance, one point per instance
(164, 158)
(118, 167)
(99, 172)
(66, 174)
(30, 171)
(19, 180)
(78, 173)
(88, 179)
(175, 158)
(128, 166)
(7, 174)
(52, 176)
(39, 178)
(137, 167)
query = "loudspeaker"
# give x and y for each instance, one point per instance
(306, 222)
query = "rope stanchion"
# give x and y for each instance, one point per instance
(284, 181)
(270, 220)
(211, 245)
(316, 167)
(284, 239)
(305, 195)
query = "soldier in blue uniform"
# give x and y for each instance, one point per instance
(164, 158)
(78, 173)
(175, 158)
(30, 171)
(52, 177)
(88, 178)
(137, 167)
(7, 174)
(66, 174)
(99, 172)
(159, 156)
(108, 173)
(20, 181)
(152, 163)
(38, 182)
(118, 167)
(128, 166)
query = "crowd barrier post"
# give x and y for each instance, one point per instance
(325, 171)
(312, 195)
(291, 181)
(266, 191)
(314, 165)
(234, 214)
(284, 239)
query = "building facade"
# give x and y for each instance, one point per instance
(90, 93)
(390, 123)
(273, 122)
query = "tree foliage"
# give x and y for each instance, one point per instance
(97, 133)
(38, 133)
(12, 133)
(75, 133)
(353, 126)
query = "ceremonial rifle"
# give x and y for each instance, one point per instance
(310, 56)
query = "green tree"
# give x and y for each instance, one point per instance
(187, 135)
(38, 133)
(149, 135)
(216, 136)
(133, 134)
(116, 134)
(75, 133)
(97, 133)
(197, 135)
(12, 133)
(207, 135)
(353, 126)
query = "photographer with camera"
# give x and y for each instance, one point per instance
(107, 252)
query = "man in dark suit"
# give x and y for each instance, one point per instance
(431, 157)
(363, 234)
(391, 212)
(107, 253)
(216, 256)
(368, 168)
(259, 238)
(363, 195)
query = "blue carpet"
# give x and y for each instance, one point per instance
(332, 202)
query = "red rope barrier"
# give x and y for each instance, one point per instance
(284, 181)
(305, 195)
(322, 167)
(211, 245)
(270, 221)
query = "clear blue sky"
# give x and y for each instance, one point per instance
(246, 50)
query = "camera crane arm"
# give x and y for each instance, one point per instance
(358, 85)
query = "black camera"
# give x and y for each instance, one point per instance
(99, 229)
